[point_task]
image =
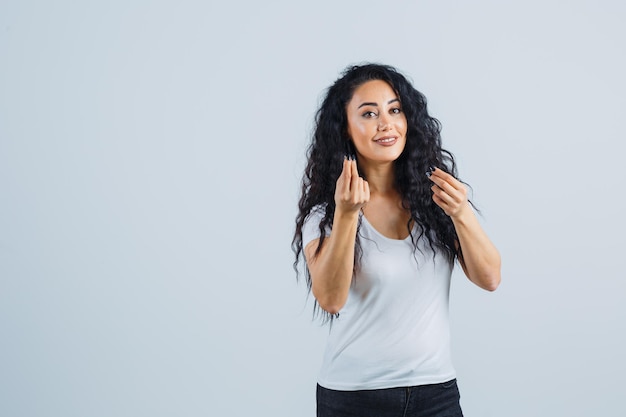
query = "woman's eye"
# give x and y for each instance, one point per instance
(369, 114)
(396, 111)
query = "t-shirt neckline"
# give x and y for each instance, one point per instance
(408, 238)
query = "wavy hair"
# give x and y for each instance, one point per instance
(423, 150)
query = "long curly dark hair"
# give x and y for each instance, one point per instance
(423, 150)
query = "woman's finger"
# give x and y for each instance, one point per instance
(445, 181)
(443, 195)
(366, 191)
(449, 185)
(440, 202)
(354, 170)
(439, 174)
(343, 182)
(354, 179)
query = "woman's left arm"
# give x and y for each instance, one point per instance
(480, 259)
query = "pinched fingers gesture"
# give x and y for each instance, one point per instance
(448, 193)
(351, 191)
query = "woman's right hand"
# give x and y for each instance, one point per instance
(351, 191)
(332, 265)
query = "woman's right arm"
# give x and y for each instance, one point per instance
(331, 269)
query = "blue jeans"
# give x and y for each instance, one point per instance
(435, 400)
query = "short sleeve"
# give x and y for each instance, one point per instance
(311, 226)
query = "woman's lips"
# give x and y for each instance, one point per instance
(389, 141)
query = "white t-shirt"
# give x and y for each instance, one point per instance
(394, 328)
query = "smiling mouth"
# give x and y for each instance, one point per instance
(385, 140)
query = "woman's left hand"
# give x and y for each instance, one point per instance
(479, 258)
(449, 193)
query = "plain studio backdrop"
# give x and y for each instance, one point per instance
(150, 160)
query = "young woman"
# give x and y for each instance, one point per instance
(381, 221)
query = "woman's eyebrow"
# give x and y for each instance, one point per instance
(367, 103)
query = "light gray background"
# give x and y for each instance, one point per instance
(150, 159)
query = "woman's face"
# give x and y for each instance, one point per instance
(376, 122)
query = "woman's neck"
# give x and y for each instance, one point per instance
(380, 177)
